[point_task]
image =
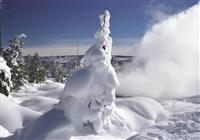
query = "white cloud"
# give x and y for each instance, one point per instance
(167, 59)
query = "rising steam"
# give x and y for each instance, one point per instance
(167, 61)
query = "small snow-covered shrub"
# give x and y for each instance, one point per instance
(36, 73)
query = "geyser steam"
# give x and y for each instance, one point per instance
(166, 63)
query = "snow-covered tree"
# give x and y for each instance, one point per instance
(89, 94)
(59, 74)
(5, 78)
(15, 60)
(36, 72)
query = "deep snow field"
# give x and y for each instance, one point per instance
(31, 114)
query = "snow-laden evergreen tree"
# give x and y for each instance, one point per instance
(5, 77)
(59, 74)
(89, 94)
(15, 60)
(36, 72)
(57, 71)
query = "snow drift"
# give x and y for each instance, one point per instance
(129, 117)
(166, 63)
(14, 116)
(39, 97)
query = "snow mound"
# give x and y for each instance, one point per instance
(14, 116)
(122, 123)
(146, 107)
(40, 103)
(4, 132)
(133, 114)
(182, 124)
(39, 97)
(51, 125)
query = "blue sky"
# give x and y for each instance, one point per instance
(60, 21)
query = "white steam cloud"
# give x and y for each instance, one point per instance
(167, 61)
